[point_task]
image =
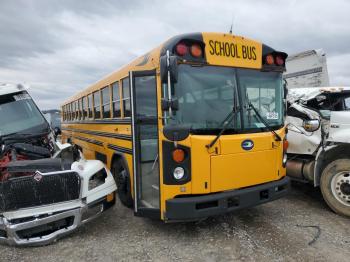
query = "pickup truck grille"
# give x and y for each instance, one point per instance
(36, 190)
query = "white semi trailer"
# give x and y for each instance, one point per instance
(307, 68)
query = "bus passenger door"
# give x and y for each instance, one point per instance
(143, 86)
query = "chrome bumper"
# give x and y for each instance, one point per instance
(14, 233)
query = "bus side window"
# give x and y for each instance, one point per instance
(70, 112)
(80, 102)
(106, 101)
(85, 107)
(97, 104)
(73, 111)
(77, 110)
(116, 99)
(126, 97)
(90, 106)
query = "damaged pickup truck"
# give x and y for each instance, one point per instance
(319, 142)
(47, 189)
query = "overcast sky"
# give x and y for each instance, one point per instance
(59, 47)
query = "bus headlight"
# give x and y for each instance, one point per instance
(179, 173)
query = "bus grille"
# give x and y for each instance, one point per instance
(30, 191)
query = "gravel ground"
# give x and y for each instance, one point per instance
(299, 227)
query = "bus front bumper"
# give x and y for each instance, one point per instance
(198, 207)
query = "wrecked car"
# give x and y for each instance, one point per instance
(318, 122)
(47, 189)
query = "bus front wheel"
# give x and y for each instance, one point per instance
(122, 179)
(335, 186)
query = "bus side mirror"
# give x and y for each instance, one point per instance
(173, 104)
(172, 68)
(176, 132)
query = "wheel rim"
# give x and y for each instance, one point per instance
(340, 186)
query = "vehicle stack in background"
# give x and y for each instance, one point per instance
(307, 69)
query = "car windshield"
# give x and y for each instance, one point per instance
(18, 113)
(207, 94)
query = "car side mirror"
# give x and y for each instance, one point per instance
(285, 89)
(165, 68)
(311, 125)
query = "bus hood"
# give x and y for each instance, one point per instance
(241, 161)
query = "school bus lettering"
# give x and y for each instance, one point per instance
(232, 50)
(248, 52)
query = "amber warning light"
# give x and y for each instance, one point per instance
(178, 155)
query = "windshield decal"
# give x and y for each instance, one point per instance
(272, 115)
(22, 96)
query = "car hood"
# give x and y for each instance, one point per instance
(308, 93)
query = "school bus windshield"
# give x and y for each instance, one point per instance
(207, 94)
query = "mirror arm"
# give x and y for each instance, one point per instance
(169, 80)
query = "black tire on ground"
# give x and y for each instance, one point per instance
(122, 179)
(341, 190)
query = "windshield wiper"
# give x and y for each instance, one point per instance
(262, 120)
(224, 125)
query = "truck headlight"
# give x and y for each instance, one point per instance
(179, 173)
(284, 160)
(97, 179)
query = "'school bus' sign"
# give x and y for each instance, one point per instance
(232, 50)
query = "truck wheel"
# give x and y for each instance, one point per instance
(335, 186)
(122, 180)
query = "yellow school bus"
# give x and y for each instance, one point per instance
(192, 129)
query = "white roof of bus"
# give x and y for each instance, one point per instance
(9, 88)
(308, 93)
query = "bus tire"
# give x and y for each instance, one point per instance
(122, 179)
(335, 186)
